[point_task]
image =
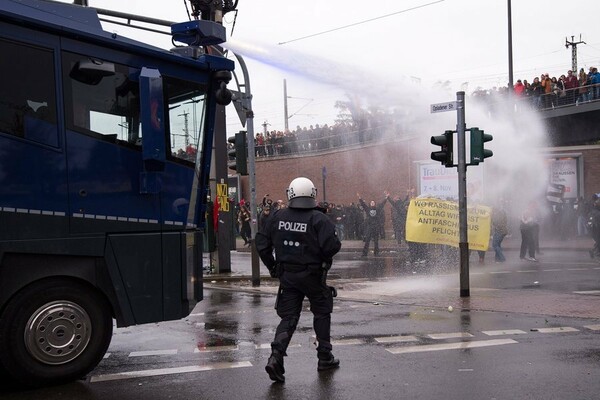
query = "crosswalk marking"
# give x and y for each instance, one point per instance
(558, 329)
(153, 353)
(346, 342)
(214, 349)
(504, 332)
(450, 346)
(263, 346)
(592, 292)
(168, 371)
(453, 335)
(396, 339)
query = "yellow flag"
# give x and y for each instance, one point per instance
(435, 221)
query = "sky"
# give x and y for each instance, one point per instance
(375, 55)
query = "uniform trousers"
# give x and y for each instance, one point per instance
(293, 288)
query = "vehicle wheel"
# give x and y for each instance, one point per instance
(54, 331)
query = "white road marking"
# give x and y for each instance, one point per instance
(152, 353)
(346, 342)
(396, 339)
(214, 349)
(264, 346)
(593, 327)
(552, 270)
(196, 314)
(454, 335)
(106, 356)
(500, 272)
(465, 370)
(450, 346)
(504, 332)
(558, 329)
(528, 270)
(168, 371)
(578, 269)
(592, 292)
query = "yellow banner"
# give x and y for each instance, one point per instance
(436, 221)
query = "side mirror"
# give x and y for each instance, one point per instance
(223, 96)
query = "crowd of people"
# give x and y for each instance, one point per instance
(542, 92)
(312, 139)
(366, 221)
(545, 92)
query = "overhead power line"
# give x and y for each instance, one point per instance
(360, 22)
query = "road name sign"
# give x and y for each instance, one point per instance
(443, 107)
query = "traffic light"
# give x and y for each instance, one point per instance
(445, 155)
(478, 152)
(238, 154)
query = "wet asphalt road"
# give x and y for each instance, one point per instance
(528, 331)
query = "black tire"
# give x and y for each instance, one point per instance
(54, 331)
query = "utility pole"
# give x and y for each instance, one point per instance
(186, 130)
(285, 105)
(510, 51)
(573, 44)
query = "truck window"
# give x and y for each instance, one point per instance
(186, 117)
(27, 93)
(102, 98)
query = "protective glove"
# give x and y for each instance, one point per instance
(275, 271)
(326, 265)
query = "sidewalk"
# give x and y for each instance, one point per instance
(512, 242)
(436, 290)
(242, 271)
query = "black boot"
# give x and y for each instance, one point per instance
(327, 361)
(275, 366)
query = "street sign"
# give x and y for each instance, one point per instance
(443, 107)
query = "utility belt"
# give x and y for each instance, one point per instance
(299, 267)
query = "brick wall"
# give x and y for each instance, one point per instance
(367, 170)
(371, 169)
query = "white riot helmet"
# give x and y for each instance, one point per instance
(302, 193)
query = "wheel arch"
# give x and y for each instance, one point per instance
(18, 271)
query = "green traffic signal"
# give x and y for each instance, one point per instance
(478, 152)
(445, 154)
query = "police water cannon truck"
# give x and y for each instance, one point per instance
(102, 202)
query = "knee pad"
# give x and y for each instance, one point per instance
(292, 323)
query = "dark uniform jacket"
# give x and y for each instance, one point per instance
(299, 237)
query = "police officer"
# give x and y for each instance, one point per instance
(305, 242)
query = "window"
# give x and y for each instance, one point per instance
(102, 98)
(27, 93)
(186, 117)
